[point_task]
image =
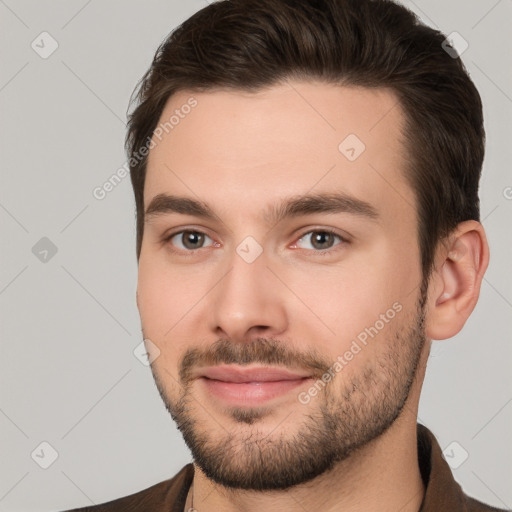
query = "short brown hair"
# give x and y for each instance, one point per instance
(251, 44)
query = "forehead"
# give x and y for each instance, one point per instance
(245, 150)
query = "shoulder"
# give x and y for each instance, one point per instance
(442, 491)
(477, 506)
(161, 496)
(133, 502)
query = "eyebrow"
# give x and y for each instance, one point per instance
(164, 204)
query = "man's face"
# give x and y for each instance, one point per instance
(327, 289)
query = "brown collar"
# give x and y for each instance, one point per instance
(442, 492)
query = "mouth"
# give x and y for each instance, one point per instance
(249, 386)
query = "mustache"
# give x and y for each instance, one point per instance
(267, 351)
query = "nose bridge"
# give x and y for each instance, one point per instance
(246, 300)
(246, 279)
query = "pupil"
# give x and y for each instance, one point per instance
(193, 239)
(322, 240)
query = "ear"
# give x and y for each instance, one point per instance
(454, 285)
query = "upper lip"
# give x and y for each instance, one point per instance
(230, 373)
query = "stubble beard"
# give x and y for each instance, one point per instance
(338, 422)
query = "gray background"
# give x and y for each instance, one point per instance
(68, 374)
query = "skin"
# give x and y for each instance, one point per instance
(241, 153)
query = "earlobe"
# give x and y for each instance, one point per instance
(455, 285)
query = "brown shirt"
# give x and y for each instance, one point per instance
(443, 493)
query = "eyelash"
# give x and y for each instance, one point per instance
(321, 252)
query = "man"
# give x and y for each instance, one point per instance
(306, 181)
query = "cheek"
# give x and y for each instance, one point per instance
(163, 301)
(337, 304)
(164, 297)
(164, 292)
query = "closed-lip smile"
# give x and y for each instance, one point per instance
(237, 385)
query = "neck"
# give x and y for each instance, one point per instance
(383, 476)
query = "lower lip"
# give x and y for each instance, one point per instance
(250, 393)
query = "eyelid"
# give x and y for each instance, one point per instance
(168, 236)
(180, 229)
(345, 238)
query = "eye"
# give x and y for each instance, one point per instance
(319, 240)
(190, 240)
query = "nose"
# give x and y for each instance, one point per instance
(247, 302)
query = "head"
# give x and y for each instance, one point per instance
(306, 185)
